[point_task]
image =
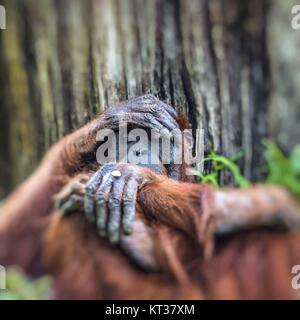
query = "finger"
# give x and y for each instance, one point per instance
(129, 201)
(146, 120)
(171, 125)
(149, 121)
(115, 210)
(89, 202)
(172, 112)
(102, 196)
(166, 120)
(147, 102)
(73, 204)
(74, 187)
(171, 128)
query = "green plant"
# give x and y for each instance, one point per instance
(220, 163)
(19, 287)
(283, 170)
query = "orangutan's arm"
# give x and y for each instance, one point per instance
(202, 211)
(24, 214)
(198, 210)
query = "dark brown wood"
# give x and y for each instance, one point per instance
(228, 64)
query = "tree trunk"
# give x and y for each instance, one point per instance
(227, 64)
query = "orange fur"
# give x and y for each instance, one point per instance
(24, 216)
(252, 264)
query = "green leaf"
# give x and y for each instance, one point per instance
(283, 170)
(234, 169)
(294, 160)
(220, 163)
(19, 287)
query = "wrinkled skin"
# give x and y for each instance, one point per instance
(24, 215)
(105, 192)
(112, 202)
(108, 198)
(145, 112)
(109, 202)
(28, 206)
(140, 244)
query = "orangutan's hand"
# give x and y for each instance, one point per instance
(140, 245)
(146, 111)
(110, 197)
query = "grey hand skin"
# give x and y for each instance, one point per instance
(144, 112)
(140, 246)
(109, 202)
(115, 199)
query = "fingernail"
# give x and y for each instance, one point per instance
(114, 239)
(127, 229)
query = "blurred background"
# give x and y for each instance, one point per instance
(231, 65)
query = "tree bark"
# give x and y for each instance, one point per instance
(226, 64)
